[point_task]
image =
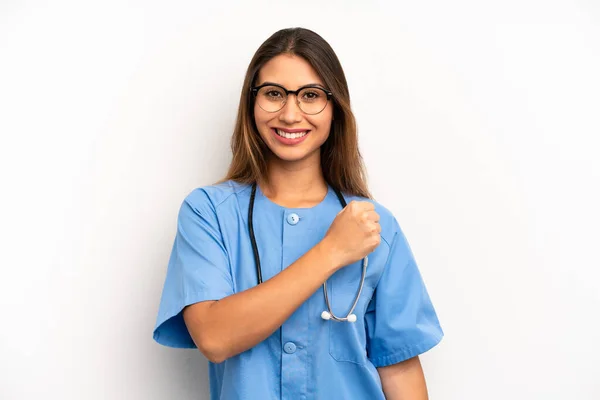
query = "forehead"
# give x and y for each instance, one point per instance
(288, 70)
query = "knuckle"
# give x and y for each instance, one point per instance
(363, 205)
(364, 217)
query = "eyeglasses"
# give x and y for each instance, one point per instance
(311, 99)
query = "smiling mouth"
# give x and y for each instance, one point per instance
(289, 135)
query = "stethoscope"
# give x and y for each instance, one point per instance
(326, 315)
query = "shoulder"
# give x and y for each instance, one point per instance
(389, 224)
(207, 199)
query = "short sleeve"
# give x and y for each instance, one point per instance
(401, 322)
(198, 269)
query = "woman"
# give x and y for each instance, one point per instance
(292, 214)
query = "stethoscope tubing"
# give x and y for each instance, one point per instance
(326, 315)
(360, 288)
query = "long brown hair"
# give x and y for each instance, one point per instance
(341, 161)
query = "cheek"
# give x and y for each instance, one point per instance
(326, 116)
(257, 116)
(260, 120)
(322, 121)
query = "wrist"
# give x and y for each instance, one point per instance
(329, 255)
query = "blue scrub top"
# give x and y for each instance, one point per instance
(308, 357)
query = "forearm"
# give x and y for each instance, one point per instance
(404, 381)
(238, 322)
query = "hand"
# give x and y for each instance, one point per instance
(354, 233)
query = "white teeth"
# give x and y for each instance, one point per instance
(291, 135)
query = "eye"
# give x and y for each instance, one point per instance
(310, 95)
(273, 94)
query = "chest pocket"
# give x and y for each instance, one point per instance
(347, 340)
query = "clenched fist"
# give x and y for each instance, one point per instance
(354, 233)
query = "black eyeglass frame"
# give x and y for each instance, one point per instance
(254, 90)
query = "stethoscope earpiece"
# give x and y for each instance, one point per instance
(326, 315)
(350, 317)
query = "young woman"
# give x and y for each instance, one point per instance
(286, 275)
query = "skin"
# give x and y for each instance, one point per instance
(224, 328)
(294, 171)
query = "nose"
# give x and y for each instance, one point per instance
(290, 113)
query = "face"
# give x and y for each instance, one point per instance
(292, 72)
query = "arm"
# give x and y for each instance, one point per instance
(227, 327)
(404, 380)
(401, 324)
(224, 328)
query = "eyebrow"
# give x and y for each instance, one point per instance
(303, 86)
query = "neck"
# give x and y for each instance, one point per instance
(295, 184)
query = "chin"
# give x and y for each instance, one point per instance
(293, 155)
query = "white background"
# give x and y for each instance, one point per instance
(478, 122)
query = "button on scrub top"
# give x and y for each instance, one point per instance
(308, 357)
